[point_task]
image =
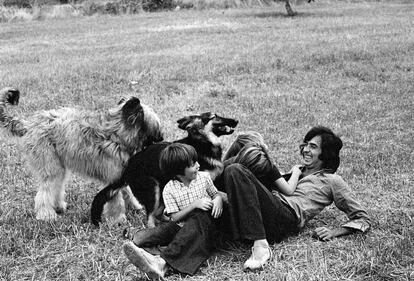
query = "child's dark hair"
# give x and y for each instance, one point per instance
(176, 157)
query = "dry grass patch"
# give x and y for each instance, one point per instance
(348, 66)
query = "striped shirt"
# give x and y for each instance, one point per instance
(177, 196)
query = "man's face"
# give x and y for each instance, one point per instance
(310, 153)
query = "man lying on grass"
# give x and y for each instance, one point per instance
(257, 214)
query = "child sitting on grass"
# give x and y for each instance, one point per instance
(191, 200)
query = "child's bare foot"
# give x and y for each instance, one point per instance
(153, 266)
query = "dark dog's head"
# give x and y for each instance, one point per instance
(205, 124)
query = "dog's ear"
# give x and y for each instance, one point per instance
(122, 100)
(184, 122)
(10, 95)
(132, 111)
(207, 116)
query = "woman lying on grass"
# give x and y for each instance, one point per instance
(261, 207)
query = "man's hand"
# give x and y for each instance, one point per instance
(217, 209)
(204, 204)
(326, 234)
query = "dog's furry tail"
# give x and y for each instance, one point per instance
(102, 198)
(13, 125)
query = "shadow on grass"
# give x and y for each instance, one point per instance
(283, 14)
(277, 14)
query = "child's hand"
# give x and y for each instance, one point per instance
(217, 207)
(204, 204)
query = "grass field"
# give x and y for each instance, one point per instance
(348, 66)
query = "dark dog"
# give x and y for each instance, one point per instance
(143, 174)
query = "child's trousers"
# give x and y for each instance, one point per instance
(187, 247)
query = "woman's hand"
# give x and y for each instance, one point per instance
(217, 209)
(296, 170)
(224, 197)
(289, 187)
(204, 204)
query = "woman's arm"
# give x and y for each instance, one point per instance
(224, 197)
(289, 187)
(217, 208)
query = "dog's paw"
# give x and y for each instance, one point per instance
(120, 220)
(61, 208)
(115, 219)
(46, 214)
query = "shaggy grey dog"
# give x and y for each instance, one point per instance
(95, 144)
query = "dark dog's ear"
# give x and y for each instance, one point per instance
(184, 122)
(14, 96)
(207, 116)
(132, 111)
(122, 100)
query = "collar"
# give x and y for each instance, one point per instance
(321, 171)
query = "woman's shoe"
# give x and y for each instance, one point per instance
(260, 256)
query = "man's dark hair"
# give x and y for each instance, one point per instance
(331, 144)
(176, 157)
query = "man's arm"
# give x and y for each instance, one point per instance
(344, 199)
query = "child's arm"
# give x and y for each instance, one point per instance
(204, 204)
(288, 187)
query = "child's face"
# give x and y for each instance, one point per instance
(190, 173)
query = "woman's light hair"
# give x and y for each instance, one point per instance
(243, 139)
(256, 158)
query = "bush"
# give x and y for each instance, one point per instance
(14, 14)
(155, 5)
(16, 3)
(31, 3)
(54, 11)
(91, 7)
(131, 6)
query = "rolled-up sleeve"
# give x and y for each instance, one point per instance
(345, 201)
